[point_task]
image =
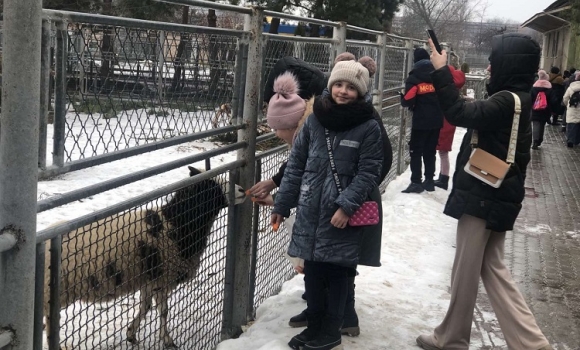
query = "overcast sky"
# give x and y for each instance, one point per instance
(518, 10)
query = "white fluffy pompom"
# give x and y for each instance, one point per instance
(286, 84)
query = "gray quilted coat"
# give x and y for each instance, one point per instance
(309, 186)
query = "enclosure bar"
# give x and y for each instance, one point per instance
(298, 39)
(18, 164)
(53, 331)
(133, 151)
(44, 93)
(227, 329)
(211, 5)
(54, 231)
(255, 238)
(39, 297)
(60, 96)
(72, 196)
(253, 24)
(300, 18)
(66, 16)
(363, 30)
(363, 43)
(271, 151)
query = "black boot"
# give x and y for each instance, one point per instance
(299, 320)
(299, 340)
(535, 145)
(324, 342)
(429, 185)
(413, 188)
(442, 181)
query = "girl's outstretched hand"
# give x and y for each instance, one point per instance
(275, 221)
(339, 219)
(439, 60)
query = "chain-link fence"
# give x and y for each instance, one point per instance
(128, 86)
(157, 269)
(168, 254)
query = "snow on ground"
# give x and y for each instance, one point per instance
(395, 303)
(405, 297)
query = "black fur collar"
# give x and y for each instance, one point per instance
(339, 118)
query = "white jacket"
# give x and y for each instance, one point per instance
(573, 113)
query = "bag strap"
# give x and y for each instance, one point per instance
(511, 155)
(331, 158)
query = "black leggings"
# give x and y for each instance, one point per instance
(327, 289)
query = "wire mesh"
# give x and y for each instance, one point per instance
(478, 85)
(132, 86)
(272, 268)
(317, 54)
(152, 275)
(359, 50)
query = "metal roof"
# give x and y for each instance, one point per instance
(544, 22)
(548, 19)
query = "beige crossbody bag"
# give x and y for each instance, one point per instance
(487, 167)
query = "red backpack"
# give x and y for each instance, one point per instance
(541, 102)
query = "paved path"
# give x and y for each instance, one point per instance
(543, 252)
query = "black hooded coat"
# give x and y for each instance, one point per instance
(514, 60)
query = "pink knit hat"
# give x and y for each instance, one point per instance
(542, 75)
(286, 107)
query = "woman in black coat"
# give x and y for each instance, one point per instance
(485, 213)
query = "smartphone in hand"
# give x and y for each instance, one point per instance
(433, 37)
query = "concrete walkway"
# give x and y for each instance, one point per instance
(543, 252)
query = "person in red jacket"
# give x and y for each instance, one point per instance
(446, 136)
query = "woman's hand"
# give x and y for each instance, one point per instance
(339, 219)
(261, 189)
(439, 60)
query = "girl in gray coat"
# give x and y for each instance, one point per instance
(321, 234)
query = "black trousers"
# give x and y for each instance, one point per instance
(538, 128)
(327, 287)
(423, 149)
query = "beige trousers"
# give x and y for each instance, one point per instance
(480, 252)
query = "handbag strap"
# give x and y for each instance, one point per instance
(511, 155)
(331, 158)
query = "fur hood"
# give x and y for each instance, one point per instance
(543, 84)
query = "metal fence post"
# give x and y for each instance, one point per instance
(242, 309)
(160, 64)
(401, 164)
(19, 164)
(339, 45)
(44, 93)
(382, 63)
(60, 95)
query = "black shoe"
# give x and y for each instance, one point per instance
(535, 145)
(563, 128)
(570, 145)
(323, 342)
(299, 340)
(351, 331)
(299, 320)
(414, 188)
(428, 185)
(304, 296)
(442, 181)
